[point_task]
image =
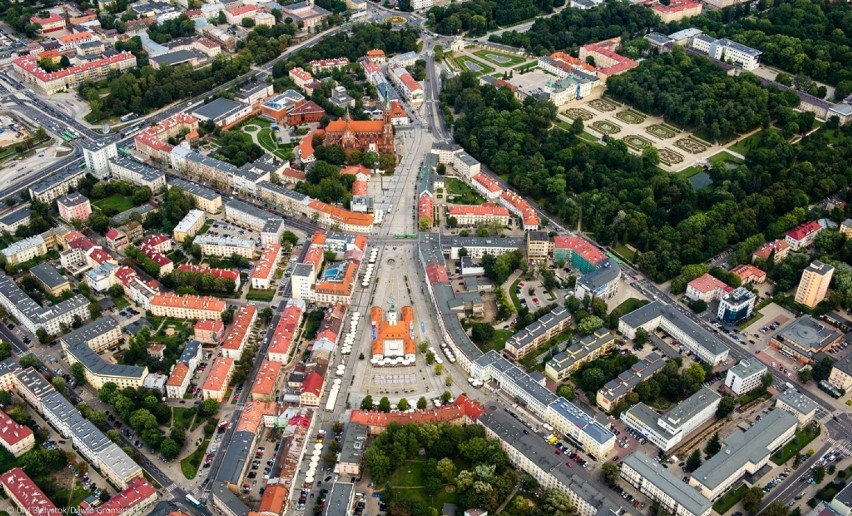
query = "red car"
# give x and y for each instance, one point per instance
(568, 463)
(557, 452)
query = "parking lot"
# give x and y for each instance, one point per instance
(222, 228)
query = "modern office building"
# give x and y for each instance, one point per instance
(743, 453)
(668, 430)
(655, 482)
(736, 305)
(814, 284)
(745, 376)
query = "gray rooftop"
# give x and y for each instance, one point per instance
(607, 272)
(738, 295)
(249, 209)
(91, 331)
(516, 376)
(684, 34)
(303, 270)
(743, 447)
(656, 37)
(628, 380)
(14, 217)
(748, 368)
(190, 351)
(34, 382)
(60, 177)
(466, 158)
(72, 199)
(146, 173)
(236, 457)
(16, 247)
(218, 109)
(97, 365)
(802, 403)
(48, 275)
(691, 406)
(354, 443)
(448, 242)
(283, 191)
(687, 497)
(807, 333)
(178, 57)
(225, 497)
(206, 161)
(9, 366)
(657, 308)
(845, 364)
(224, 241)
(528, 335)
(588, 424)
(739, 47)
(517, 434)
(193, 188)
(844, 496)
(340, 498)
(36, 313)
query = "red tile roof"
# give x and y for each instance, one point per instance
(138, 491)
(212, 304)
(313, 383)
(805, 230)
(11, 432)
(489, 183)
(469, 407)
(208, 325)
(746, 271)
(31, 66)
(28, 495)
(243, 320)
(217, 380)
(285, 331)
(374, 418)
(437, 273)
(264, 267)
(767, 249)
(267, 376)
(581, 246)
(708, 283)
(178, 375)
(213, 271)
(485, 209)
(359, 188)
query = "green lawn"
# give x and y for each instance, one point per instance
(833, 135)
(514, 296)
(512, 60)
(255, 120)
(183, 415)
(746, 144)
(802, 439)
(626, 306)
(406, 482)
(70, 498)
(190, 464)
(260, 295)
(462, 193)
(690, 171)
(483, 69)
(120, 302)
(624, 252)
(729, 499)
(118, 202)
(725, 157)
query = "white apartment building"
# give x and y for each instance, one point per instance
(97, 157)
(728, 51)
(302, 281)
(33, 316)
(745, 376)
(137, 173)
(465, 165)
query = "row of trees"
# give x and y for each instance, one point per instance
(477, 17)
(199, 281)
(574, 27)
(325, 182)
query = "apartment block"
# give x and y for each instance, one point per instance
(263, 273)
(17, 439)
(189, 225)
(797, 404)
(187, 306)
(74, 206)
(216, 384)
(616, 389)
(25, 250)
(814, 283)
(530, 338)
(209, 332)
(205, 198)
(584, 350)
(235, 342)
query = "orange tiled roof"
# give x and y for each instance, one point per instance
(243, 320)
(217, 379)
(268, 260)
(488, 208)
(178, 375)
(400, 331)
(374, 418)
(285, 331)
(342, 288)
(267, 376)
(208, 303)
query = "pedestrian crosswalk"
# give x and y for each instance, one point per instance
(842, 445)
(171, 487)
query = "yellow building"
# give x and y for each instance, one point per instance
(814, 283)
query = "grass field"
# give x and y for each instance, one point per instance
(511, 60)
(478, 67)
(627, 306)
(745, 145)
(266, 139)
(183, 416)
(189, 465)
(462, 193)
(624, 252)
(117, 202)
(514, 296)
(802, 439)
(120, 302)
(260, 295)
(70, 497)
(499, 341)
(729, 499)
(406, 482)
(725, 157)
(690, 171)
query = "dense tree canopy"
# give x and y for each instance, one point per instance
(178, 27)
(476, 17)
(627, 199)
(693, 92)
(574, 27)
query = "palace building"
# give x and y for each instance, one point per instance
(362, 135)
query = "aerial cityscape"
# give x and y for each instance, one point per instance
(426, 257)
